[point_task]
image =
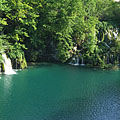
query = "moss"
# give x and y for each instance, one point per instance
(116, 67)
(22, 62)
(2, 67)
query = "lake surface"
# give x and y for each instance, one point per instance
(60, 92)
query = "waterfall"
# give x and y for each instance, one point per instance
(117, 0)
(82, 62)
(77, 61)
(115, 34)
(71, 62)
(112, 59)
(7, 65)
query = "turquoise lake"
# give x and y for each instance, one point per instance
(60, 92)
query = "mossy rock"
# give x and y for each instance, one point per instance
(116, 67)
(23, 64)
(2, 67)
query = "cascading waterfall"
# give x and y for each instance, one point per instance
(72, 61)
(112, 59)
(77, 61)
(82, 62)
(7, 65)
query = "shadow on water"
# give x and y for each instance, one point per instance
(43, 64)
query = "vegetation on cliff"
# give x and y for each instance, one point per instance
(59, 30)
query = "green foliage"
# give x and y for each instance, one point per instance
(17, 18)
(60, 28)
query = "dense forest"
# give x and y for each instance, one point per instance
(59, 30)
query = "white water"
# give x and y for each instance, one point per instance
(7, 65)
(77, 61)
(82, 62)
(117, 0)
(74, 61)
(115, 34)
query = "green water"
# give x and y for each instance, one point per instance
(60, 92)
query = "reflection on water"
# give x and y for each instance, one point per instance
(7, 85)
(7, 92)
